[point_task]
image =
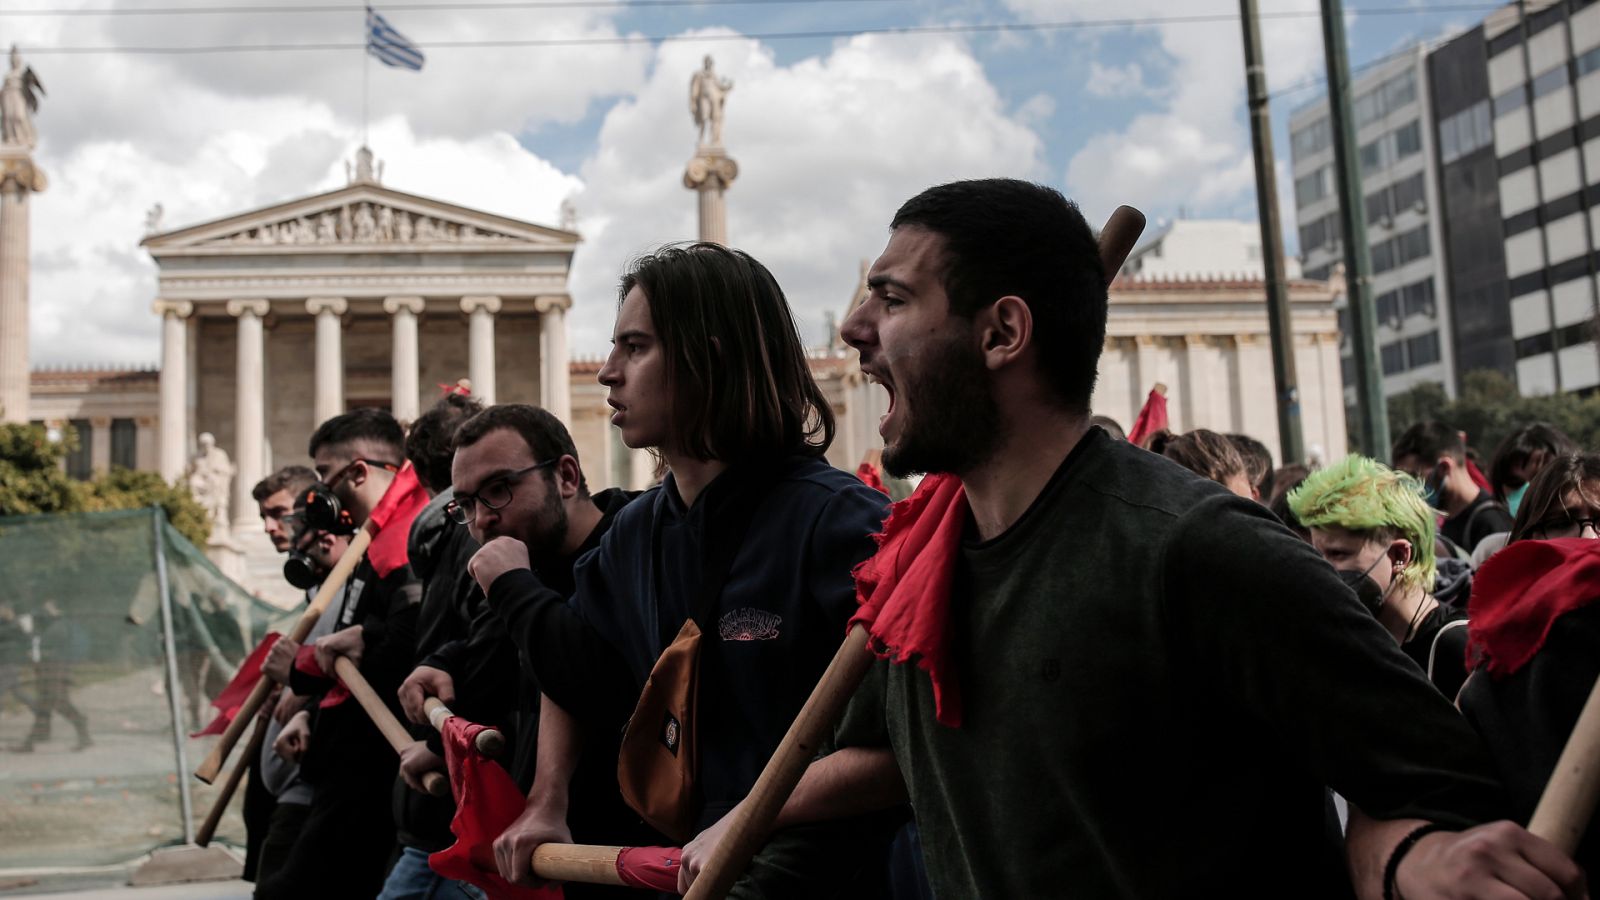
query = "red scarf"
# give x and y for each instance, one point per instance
(244, 681)
(1521, 591)
(904, 588)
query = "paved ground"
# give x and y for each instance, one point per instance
(216, 890)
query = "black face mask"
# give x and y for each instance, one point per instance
(1367, 590)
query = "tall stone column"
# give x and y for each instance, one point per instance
(555, 376)
(403, 360)
(328, 397)
(710, 173)
(174, 386)
(100, 443)
(480, 345)
(250, 408)
(19, 177)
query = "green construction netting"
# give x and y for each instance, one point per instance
(89, 770)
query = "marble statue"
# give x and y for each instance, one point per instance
(706, 96)
(209, 478)
(152, 219)
(19, 100)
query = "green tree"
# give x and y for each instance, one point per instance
(1489, 409)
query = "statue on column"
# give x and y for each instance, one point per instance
(706, 96)
(19, 100)
(209, 477)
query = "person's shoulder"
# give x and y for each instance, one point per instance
(1141, 481)
(813, 480)
(635, 509)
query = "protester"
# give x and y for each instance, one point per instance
(1284, 482)
(1522, 456)
(15, 645)
(1434, 454)
(1128, 683)
(1209, 455)
(1565, 503)
(1369, 522)
(63, 645)
(1110, 427)
(275, 495)
(751, 535)
(1257, 464)
(348, 838)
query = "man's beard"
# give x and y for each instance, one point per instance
(953, 425)
(547, 532)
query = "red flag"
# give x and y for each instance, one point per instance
(868, 473)
(652, 868)
(392, 521)
(1152, 418)
(904, 588)
(244, 681)
(1520, 592)
(306, 661)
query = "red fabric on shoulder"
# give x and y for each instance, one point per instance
(1152, 418)
(652, 868)
(487, 802)
(1520, 592)
(392, 521)
(238, 690)
(868, 473)
(904, 588)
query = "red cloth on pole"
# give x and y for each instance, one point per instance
(652, 868)
(487, 802)
(1520, 592)
(1152, 418)
(244, 681)
(904, 588)
(306, 661)
(392, 520)
(868, 473)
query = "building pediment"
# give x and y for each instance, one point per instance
(361, 217)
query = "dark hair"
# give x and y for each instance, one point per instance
(431, 442)
(368, 425)
(293, 479)
(1005, 237)
(1514, 451)
(736, 369)
(1572, 471)
(1285, 481)
(1257, 462)
(1428, 441)
(544, 434)
(1205, 453)
(1110, 425)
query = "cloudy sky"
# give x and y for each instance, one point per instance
(834, 120)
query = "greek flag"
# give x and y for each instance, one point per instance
(390, 46)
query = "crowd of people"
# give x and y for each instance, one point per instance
(1105, 670)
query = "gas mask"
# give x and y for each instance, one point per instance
(316, 512)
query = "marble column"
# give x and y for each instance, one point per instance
(100, 443)
(480, 345)
(174, 386)
(555, 380)
(1198, 384)
(403, 360)
(710, 173)
(250, 428)
(19, 177)
(328, 397)
(145, 450)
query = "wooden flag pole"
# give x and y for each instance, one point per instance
(1568, 801)
(490, 742)
(252, 752)
(583, 863)
(395, 733)
(212, 765)
(754, 817)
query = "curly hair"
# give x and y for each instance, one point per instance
(1367, 497)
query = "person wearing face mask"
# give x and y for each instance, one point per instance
(1434, 454)
(1522, 456)
(1371, 524)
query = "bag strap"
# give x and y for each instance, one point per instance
(1433, 648)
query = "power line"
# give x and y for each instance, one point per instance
(407, 7)
(909, 30)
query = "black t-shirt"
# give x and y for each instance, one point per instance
(1481, 518)
(1157, 681)
(1439, 646)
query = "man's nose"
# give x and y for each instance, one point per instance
(857, 330)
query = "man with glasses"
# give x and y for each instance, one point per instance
(349, 764)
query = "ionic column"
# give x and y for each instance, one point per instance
(250, 426)
(19, 178)
(100, 443)
(174, 385)
(480, 345)
(1198, 384)
(328, 397)
(403, 359)
(555, 382)
(710, 173)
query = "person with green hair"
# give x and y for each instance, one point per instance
(1373, 526)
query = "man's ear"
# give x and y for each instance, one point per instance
(1401, 553)
(1005, 332)
(568, 476)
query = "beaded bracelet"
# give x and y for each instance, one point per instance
(1392, 868)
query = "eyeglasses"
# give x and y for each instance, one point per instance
(493, 495)
(1566, 527)
(338, 476)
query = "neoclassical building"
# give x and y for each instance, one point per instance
(276, 319)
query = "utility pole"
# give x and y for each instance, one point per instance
(1290, 442)
(1371, 407)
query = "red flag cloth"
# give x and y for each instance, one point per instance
(652, 868)
(904, 588)
(487, 802)
(392, 521)
(1152, 418)
(244, 681)
(1520, 592)
(868, 473)
(306, 661)
(1477, 476)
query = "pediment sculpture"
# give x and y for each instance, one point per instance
(362, 223)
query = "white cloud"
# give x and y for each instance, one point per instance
(1115, 81)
